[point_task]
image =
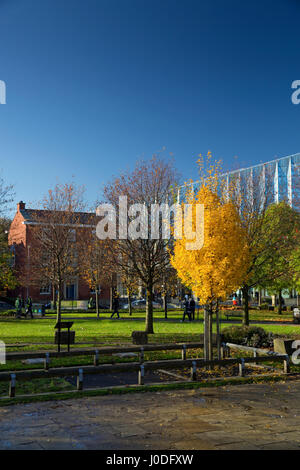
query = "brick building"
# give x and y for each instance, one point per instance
(21, 241)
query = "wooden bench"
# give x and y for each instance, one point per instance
(233, 314)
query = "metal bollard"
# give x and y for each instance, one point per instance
(193, 371)
(12, 386)
(47, 362)
(183, 352)
(286, 365)
(141, 375)
(80, 379)
(254, 355)
(142, 355)
(96, 358)
(242, 368)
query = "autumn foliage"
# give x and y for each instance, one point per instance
(217, 269)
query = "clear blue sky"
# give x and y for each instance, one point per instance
(92, 85)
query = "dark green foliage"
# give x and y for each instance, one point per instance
(253, 336)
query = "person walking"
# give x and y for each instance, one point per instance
(192, 307)
(18, 305)
(91, 303)
(115, 307)
(186, 310)
(28, 309)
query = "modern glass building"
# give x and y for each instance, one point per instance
(282, 174)
(280, 178)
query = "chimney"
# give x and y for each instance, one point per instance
(20, 206)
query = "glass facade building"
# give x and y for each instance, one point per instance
(280, 178)
(282, 174)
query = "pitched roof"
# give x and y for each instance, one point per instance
(37, 215)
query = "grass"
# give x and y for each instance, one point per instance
(96, 331)
(55, 384)
(89, 330)
(255, 315)
(38, 334)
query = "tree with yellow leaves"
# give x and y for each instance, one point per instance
(219, 267)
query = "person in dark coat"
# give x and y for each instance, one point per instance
(28, 309)
(186, 310)
(192, 306)
(115, 307)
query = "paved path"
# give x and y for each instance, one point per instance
(256, 416)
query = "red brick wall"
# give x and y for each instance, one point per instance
(20, 237)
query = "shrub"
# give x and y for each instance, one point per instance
(253, 336)
(264, 306)
(235, 334)
(7, 313)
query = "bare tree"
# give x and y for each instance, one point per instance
(150, 182)
(95, 261)
(6, 196)
(129, 281)
(168, 285)
(54, 258)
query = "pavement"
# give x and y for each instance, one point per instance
(241, 417)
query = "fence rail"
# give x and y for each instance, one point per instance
(251, 349)
(139, 367)
(106, 350)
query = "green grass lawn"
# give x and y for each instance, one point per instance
(113, 331)
(96, 331)
(90, 331)
(255, 315)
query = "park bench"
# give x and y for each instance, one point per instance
(233, 314)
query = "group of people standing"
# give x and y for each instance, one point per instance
(20, 304)
(189, 308)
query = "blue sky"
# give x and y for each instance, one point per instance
(93, 85)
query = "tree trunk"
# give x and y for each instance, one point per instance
(111, 292)
(259, 298)
(149, 310)
(298, 300)
(165, 306)
(279, 302)
(208, 343)
(218, 332)
(97, 303)
(129, 302)
(210, 321)
(206, 333)
(58, 303)
(245, 290)
(54, 296)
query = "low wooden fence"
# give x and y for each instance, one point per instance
(139, 367)
(104, 351)
(256, 351)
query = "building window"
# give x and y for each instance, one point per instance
(45, 289)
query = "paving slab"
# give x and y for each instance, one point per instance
(260, 416)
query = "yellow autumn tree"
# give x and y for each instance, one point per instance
(220, 265)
